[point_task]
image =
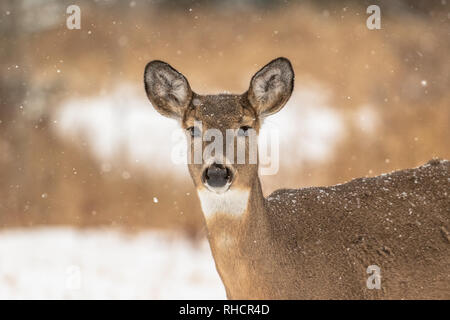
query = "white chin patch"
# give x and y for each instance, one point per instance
(218, 190)
(231, 202)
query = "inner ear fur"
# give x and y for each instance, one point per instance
(167, 89)
(271, 87)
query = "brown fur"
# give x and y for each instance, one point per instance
(316, 243)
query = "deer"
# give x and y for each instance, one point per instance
(384, 237)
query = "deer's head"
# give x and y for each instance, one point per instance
(225, 120)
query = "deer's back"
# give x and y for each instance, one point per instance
(325, 238)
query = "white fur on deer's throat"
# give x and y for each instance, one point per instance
(232, 202)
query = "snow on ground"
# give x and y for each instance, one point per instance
(66, 263)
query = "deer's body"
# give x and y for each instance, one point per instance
(313, 243)
(316, 243)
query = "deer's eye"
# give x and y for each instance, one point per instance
(194, 132)
(244, 131)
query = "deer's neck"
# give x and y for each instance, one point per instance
(237, 230)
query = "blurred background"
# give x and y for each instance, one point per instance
(91, 205)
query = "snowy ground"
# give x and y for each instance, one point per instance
(64, 263)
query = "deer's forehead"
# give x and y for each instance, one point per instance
(218, 111)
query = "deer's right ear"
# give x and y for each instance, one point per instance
(168, 90)
(271, 87)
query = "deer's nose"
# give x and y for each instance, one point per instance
(217, 175)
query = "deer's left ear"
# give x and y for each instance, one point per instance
(168, 90)
(271, 87)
